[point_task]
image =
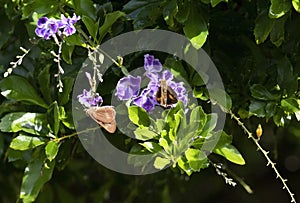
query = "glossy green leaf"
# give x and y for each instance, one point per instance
(19, 89)
(285, 76)
(36, 174)
(110, 19)
(143, 12)
(296, 5)
(277, 33)
(25, 142)
(53, 117)
(64, 97)
(270, 109)
(230, 153)
(42, 7)
(74, 40)
(221, 98)
(196, 28)
(44, 82)
(169, 11)
(210, 124)
(85, 8)
(263, 27)
(91, 26)
(225, 149)
(33, 123)
(260, 92)
(290, 105)
(279, 8)
(257, 108)
(144, 134)
(161, 163)
(139, 116)
(216, 2)
(183, 11)
(51, 150)
(67, 52)
(196, 159)
(176, 67)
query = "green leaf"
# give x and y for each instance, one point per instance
(44, 82)
(161, 163)
(91, 26)
(51, 150)
(285, 76)
(176, 67)
(279, 7)
(139, 116)
(277, 33)
(67, 52)
(225, 149)
(230, 153)
(144, 134)
(33, 123)
(24, 142)
(270, 109)
(296, 5)
(183, 11)
(263, 27)
(143, 12)
(36, 174)
(41, 7)
(164, 143)
(74, 40)
(221, 97)
(151, 146)
(216, 2)
(170, 11)
(196, 28)
(85, 8)
(196, 159)
(210, 124)
(257, 108)
(18, 88)
(53, 117)
(290, 105)
(64, 97)
(110, 19)
(260, 92)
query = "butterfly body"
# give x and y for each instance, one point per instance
(104, 116)
(165, 95)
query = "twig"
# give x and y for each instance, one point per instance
(265, 153)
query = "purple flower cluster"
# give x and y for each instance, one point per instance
(47, 27)
(128, 87)
(88, 99)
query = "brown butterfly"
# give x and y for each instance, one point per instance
(165, 95)
(104, 116)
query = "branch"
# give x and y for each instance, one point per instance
(265, 153)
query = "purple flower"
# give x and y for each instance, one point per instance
(88, 99)
(46, 27)
(151, 65)
(68, 24)
(128, 87)
(147, 99)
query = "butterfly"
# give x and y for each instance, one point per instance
(165, 95)
(104, 116)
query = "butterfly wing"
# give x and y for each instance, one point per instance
(171, 96)
(165, 95)
(104, 116)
